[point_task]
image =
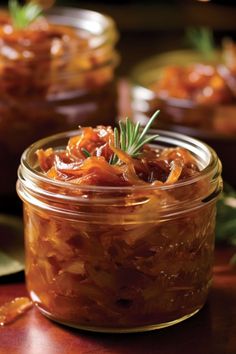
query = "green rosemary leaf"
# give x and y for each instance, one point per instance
(130, 139)
(122, 136)
(132, 131)
(23, 16)
(86, 152)
(111, 160)
(127, 136)
(201, 39)
(153, 117)
(114, 158)
(144, 142)
(136, 132)
(116, 138)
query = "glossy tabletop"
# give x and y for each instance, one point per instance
(211, 331)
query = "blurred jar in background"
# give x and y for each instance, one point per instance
(56, 74)
(197, 97)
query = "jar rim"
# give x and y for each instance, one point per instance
(100, 25)
(195, 146)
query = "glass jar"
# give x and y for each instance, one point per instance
(113, 259)
(56, 83)
(206, 111)
(214, 123)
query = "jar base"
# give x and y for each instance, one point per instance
(145, 328)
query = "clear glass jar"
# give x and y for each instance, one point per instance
(112, 259)
(212, 116)
(214, 123)
(54, 83)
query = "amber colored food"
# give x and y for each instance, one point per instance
(203, 84)
(11, 310)
(51, 79)
(200, 83)
(152, 167)
(122, 262)
(197, 95)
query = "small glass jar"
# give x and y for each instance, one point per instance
(214, 123)
(205, 117)
(113, 259)
(54, 84)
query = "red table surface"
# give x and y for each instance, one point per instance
(211, 331)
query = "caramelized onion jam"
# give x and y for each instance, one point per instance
(195, 94)
(152, 167)
(55, 74)
(200, 83)
(118, 247)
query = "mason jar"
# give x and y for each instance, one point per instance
(213, 122)
(54, 79)
(112, 259)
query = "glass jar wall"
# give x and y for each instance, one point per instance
(56, 75)
(119, 260)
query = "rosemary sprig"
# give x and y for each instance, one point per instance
(130, 139)
(23, 16)
(202, 40)
(86, 152)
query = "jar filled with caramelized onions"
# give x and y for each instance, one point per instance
(197, 97)
(56, 73)
(119, 239)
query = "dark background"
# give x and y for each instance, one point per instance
(154, 26)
